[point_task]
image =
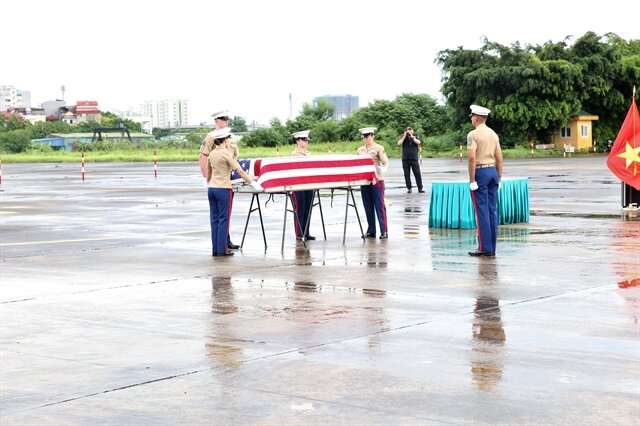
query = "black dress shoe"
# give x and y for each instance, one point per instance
(409, 191)
(224, 254)
(490, 254)
(421, 191)
(299, 238)
(310, 237)
(368, 235)
(384, 236)
(232, 246)
(477, 253)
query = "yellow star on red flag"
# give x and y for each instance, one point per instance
(630, 154)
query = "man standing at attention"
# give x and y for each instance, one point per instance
(373, 195)
(485, 173)
(302, 200)
(410, 156)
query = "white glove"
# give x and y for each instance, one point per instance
(473, 186)
(206, 183)
(384, 169)
(256, 186)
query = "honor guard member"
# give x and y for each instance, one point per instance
(221, 119)
(302, 200)
(220, 164)
(485, 173)
(373, 195)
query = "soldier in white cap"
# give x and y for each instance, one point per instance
(485, 172)
(302, 200)
(220, 164)
(221, 119)
(373, 195)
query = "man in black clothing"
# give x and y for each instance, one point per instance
(410, 156)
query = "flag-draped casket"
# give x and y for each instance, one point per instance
(280, 174)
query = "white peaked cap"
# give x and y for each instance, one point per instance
(479, 110)
(222, 113)
(221, 133)
(302, 134)
(367, 130)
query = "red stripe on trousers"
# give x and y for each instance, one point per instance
(475, 209)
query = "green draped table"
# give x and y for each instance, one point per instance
(451, 205)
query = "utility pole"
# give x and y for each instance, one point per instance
(62, 88)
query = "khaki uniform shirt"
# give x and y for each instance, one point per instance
(208, 145)
(486, 143)
(300, 152)
(220, 164)
(375, 151)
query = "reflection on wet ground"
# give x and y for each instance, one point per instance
(219, 344)
(487, 359)
(409, 330)
(413, 216)
(305, 286)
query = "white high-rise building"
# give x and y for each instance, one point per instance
(10, 98)
(166, 113)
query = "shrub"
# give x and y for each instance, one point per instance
(15, 141)
(41, 148)
(263, 137)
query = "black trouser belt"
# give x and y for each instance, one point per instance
(482, 166)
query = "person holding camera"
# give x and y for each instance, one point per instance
(220, 164)
(410, 158)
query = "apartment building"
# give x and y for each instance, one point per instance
(166, 113)
(11, 98)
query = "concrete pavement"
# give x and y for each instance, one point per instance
(113, 311)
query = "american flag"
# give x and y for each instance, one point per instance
(313, 172)
(246, 167)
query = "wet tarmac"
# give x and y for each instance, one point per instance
(112, 310)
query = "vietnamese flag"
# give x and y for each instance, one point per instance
(624, 158)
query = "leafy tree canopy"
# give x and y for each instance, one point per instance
(534, 90)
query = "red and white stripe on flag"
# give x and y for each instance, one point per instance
(315, 172)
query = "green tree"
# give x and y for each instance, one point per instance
(160, 132)
(133, 126)
(44, 129)
(109, 119)
(311, 115)
(15, 141)
(608, 78)
(535, 90)
(325, 131)
(269, 137)
(238, 124)
(530, 98)
(15, 124)
(87, 126)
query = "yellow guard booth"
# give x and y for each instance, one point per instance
(577, 133)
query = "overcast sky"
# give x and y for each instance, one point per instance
(248, 55)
